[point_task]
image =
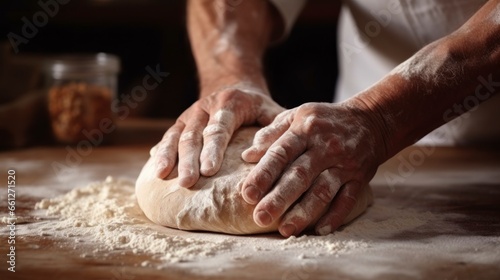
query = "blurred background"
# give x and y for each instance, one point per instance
(147, 33)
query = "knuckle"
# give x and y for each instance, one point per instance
(309, 109)
(325, 187)
(314, 118)
(265, 176)
(298, 215)
(170, 137)
(278, 202)
(224, 117)
(227, 94)
(333, 145)
(197, 106)
(230, 94)
(215, 130)
(301, 174)
(279, 153)
(282, 116)
(263, 135)
(331, 177)
(323, 193)
(314, 124)
(189, 136)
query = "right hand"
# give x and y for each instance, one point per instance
(201, 134)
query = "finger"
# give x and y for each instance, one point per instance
(153, 150)
(272, 164)
(341, 206)
(297, 178)
(216, 136)
(266, 136)
(312, 205)
(165, 152)
(190, 145)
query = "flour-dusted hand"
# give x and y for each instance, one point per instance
(228, 42)
(313, 162)
(199, 137)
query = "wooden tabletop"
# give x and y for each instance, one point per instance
(462, 181)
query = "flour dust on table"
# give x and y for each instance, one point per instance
(102, 219)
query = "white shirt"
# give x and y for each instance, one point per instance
(376, 36)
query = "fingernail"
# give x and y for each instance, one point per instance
(288, 230)
(186, 178)
(207, 167)
(247, 154)
(185, 182)
(249, 150)
(264, 218)
(325, 230)
(252, 194)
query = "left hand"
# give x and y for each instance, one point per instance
(308, 156)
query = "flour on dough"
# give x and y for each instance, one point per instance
(213, 203)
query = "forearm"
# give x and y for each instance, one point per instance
(228, 42)
(438, 83)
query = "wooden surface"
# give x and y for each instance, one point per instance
(443, 180)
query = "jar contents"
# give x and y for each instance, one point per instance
(78, 108)
(81, 89)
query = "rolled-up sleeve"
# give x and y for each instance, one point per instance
(289, 11)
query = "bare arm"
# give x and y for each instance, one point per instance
(228, 42)
(318, 157)
(440, 82)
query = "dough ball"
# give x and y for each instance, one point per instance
(213, 203)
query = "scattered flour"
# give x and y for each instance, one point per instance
(105, 217)
(329, 245)
(107, 214)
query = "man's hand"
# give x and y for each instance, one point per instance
(201, 134)
(313, 162)
(228, 42)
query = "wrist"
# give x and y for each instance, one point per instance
(241, 84)
(377, 122)
(215, 81)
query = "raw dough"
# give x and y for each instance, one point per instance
(213, 203)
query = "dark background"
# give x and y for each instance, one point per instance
(147, 32)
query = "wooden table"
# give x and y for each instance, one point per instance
(463, 181)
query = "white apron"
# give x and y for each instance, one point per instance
(376, 36)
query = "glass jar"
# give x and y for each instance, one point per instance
(81, 89)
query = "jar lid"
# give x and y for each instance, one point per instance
(80, 64)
